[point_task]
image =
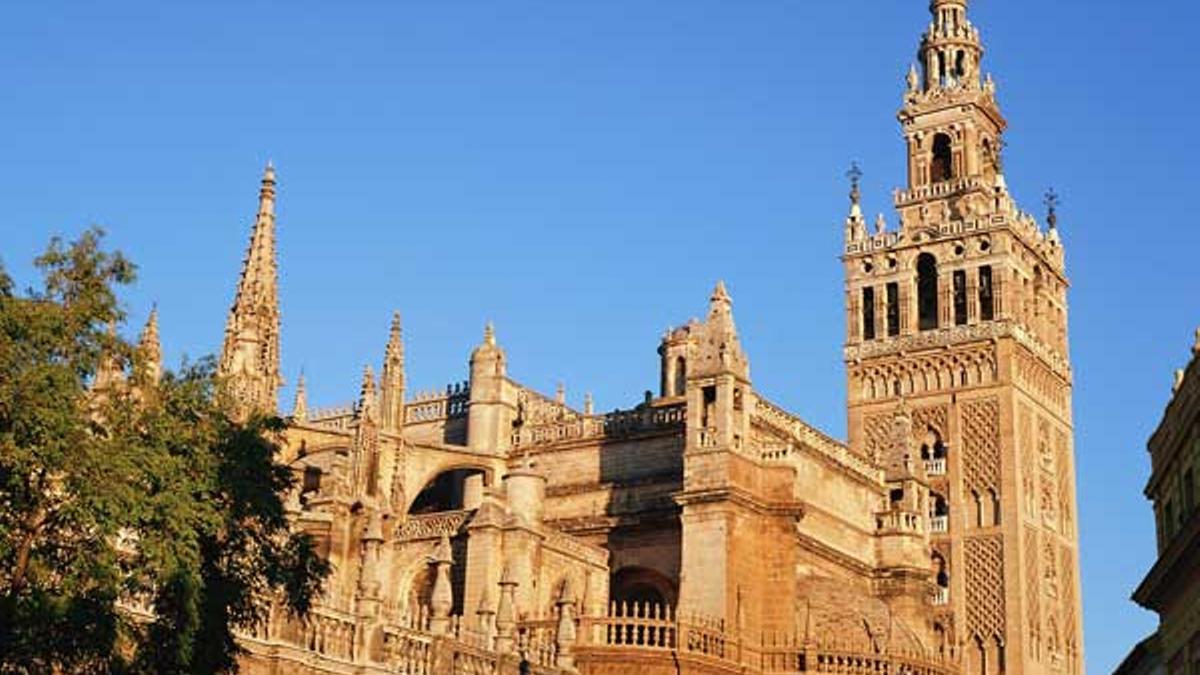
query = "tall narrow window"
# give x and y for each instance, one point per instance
(868, 313)
(680, 376)
(987, 304)
(960, 298)
(927, 292)
(893, 309)
(943, 161)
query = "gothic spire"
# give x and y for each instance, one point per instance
(393, 378)
(300, 408)
(366, 397)
(150, 348)
(250, 354)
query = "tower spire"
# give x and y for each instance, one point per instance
(150, 348)
(392, 383)
(300, 408)
(250, 354)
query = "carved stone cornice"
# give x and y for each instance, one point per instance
(954, 336)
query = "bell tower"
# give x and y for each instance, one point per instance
(958, 316)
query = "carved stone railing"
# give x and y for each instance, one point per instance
(939, 524)
(941, 596)
(804, 434)
(659, 636)
(954, 335)
(935, 467)
(432, 525)
(940, 189)
(614, 425)
(333, 417)
(438, 405)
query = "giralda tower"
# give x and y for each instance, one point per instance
(960, 315)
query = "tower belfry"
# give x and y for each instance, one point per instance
(960, 316)
(250, 353)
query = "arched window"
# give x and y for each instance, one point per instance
(680, 376)
(943, 160)
(927, 291)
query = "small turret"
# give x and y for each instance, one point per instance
(493, 398)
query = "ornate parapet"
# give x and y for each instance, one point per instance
(433, 406)
(615, 425)
(432, 526)
(957, 335)
(649, 639)
(805, 435)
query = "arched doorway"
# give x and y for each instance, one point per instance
(448, 491)
(641, 586)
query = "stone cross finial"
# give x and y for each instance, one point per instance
(855, 175)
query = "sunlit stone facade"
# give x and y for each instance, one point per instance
(490, 528)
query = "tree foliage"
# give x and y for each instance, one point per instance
(141, 493)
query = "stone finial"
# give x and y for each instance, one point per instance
(913, 79)
(589, 406)
(506, 613)
(442, 597)
(565, 632)
(300, 407)
(720, 295)
(489, 334)
(1196, 344)
(560, 394)
(880, 224)
(395, 345)
(366, 396)
(1178, 383)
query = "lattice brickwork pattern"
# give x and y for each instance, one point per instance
(932, 417)
(985, 586)
(877, 433)
(1067, 560)
(981, 440)
(1028, 460)
(1066, 497)
(1033, 617)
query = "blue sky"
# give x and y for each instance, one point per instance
(582, 173)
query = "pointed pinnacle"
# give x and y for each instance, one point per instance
(489, 334)
(719, 293)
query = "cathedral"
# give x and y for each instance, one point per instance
(490, 528)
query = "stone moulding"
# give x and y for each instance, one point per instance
(432, 526)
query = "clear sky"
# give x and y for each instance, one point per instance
(582, 172)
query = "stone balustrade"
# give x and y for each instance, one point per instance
(939, 524)
(935, 467)
(614, 425)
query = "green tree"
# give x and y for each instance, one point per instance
(137, 490)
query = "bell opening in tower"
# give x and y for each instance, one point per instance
(927, 292)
